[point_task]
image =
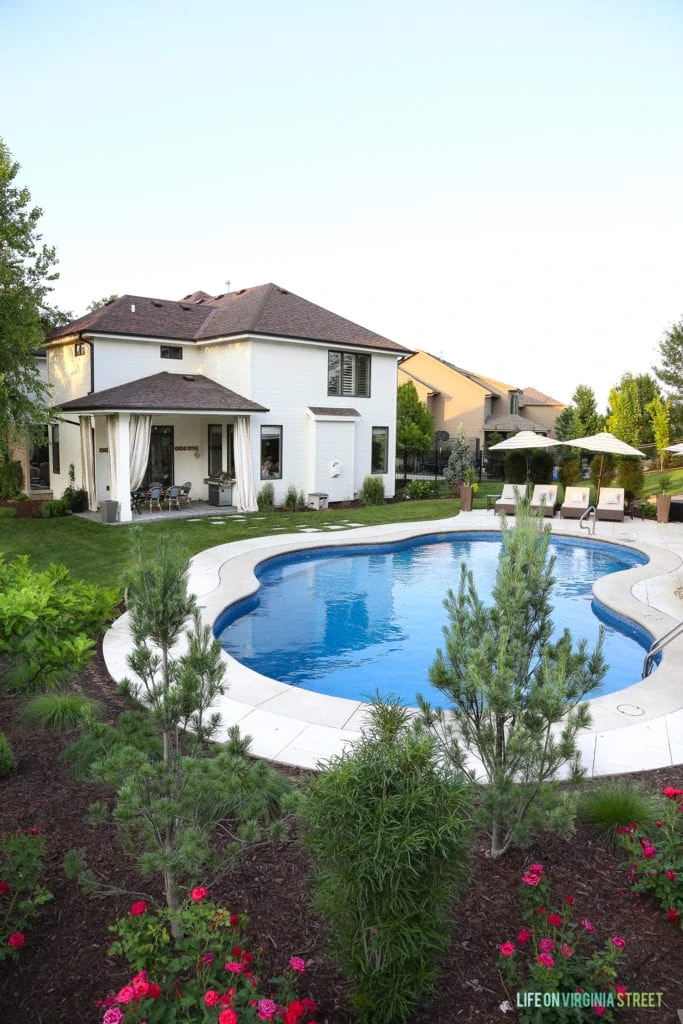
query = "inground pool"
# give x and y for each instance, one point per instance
(348, 621)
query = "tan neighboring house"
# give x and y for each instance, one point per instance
(485, 405)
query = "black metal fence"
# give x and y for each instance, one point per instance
(429, 464)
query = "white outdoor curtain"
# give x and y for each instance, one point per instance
(113, 455)
(88, 460)
(244, 482)
(140, 433)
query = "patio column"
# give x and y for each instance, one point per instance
(118, 429)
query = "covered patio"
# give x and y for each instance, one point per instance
(169, 428)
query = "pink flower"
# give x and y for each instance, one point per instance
(619, 989)
(545, 960)
(671, 875)
(569, 900)
(235, 968)
(126, 995)
(141, 988)
(227, 1017)
(531, 879)
(266, 1009)
(536, 869)
(587, 925)
(555, 920)
(546, 945)
(672, 914)
(599, 1010)
(211, 997)
(671, 792)
(16, 940)
(507, 949)
(649, 851)
(199, 893)
(113, 1016)
(297, 964)
(207, 958)
(566, 950)
(524, 935)
(618, 941)
(138, 908)
(659, 824)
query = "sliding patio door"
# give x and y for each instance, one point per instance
(160, 468)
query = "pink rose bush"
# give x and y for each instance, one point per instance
(553, 952)
(655, 862)
(207, 975)
(21, 894)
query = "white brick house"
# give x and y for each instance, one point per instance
(258, 384)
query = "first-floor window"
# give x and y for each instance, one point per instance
(215, 449)
(380, 449)
(271, 453)
(55, 447)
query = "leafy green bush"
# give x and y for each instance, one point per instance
(60, 712)
(47, 621)
(21, 865)
(655, 856)
(11, 479)
(570, 472)
(6, 756)
(389, 837)
(422, 489)
(292, 498)
(605, 805)
(265, 499)
(54, 509)
(514, 465)
(7, 512)
(541, 465)
(372, 491)
(79, 500)
(608, 465)
(630, 476)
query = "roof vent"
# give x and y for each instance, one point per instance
(283, 291)
(198, 302)
(155, 302)
(184, 305)
(241, 291)
(219, 296)
(132, 307)
(188, 376)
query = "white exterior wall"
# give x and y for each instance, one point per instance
(118, 361)
(68, 374)
(69, 451)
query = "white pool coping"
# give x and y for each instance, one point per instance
(639, 727)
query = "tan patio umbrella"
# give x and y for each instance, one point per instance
(603, 444)
(525, 439)
(677, 449)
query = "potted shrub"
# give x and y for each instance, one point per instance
(468, 489)
(663, 499)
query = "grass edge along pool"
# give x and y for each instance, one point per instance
(352, 624)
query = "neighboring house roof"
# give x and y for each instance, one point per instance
(530, 396)
(509, 422)
(489, 384)
(168, 391)
(430, 387)
(319, 410)
(264, 310)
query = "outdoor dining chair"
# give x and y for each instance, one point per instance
(185, 492)
(173, 497)
(155, 493)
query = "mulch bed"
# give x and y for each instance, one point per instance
(24, 509)
(64, 966)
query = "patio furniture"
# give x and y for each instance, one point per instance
(512, 494)
(155, 494)
(137, 498)
(576, 502)
(543, 499)
(491, 500)
(173, 497)
(610, 504)
(185, 492)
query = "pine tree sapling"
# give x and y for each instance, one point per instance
(515, 696)
(460, 459)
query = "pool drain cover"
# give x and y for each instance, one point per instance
(631, 709)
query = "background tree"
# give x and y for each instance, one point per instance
(98, 303)
(414, 421)
(581, 418)
(660, 416)
(670, 371)
(26, 276)
(628, 418)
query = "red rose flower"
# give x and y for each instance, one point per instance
(555, 920)
(16, 940)
(4, 888)
(545, 960)
(671, 792)
(672, 914)
(199, 893)
(569, 900)
(618, 942)
(524, 935)
(138, 908)
(211, 997)
(507, 948)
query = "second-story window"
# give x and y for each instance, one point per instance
(171, 352)
(514, 403)
(79, 348)
(348, 373)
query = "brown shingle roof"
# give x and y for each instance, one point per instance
(266, 310)
(510, 422)
(167, 391)
(531, 396)
(320, 410)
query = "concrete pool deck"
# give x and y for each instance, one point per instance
(639, 727)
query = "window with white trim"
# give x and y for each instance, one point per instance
(171, 352)
(271, 453)
(348, 373)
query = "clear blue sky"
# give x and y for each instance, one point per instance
(497, 181)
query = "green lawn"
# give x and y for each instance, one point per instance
(100, 554)
(652, 482)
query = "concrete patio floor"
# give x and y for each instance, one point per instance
(639, 727)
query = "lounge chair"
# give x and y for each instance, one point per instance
(544, 498)
(610, 504)
(512, 494)
(576, 502)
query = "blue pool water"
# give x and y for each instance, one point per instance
(353, 620)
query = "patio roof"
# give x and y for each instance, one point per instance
(166, 392)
